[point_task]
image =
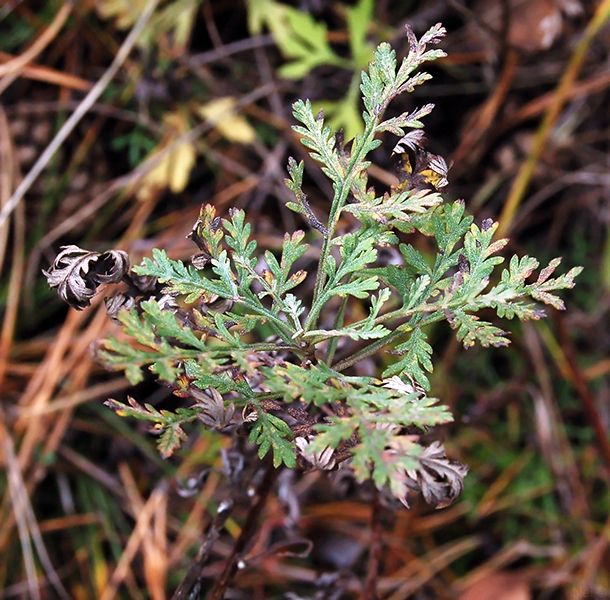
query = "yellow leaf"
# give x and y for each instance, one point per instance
(221, 114)
(174, 168)
(269, 278)
(177, 19)
(125, 12)
(298, 277)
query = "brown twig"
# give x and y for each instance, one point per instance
(228, 49)
(79, 113)
(246, 534)
(48, 75)
(372, 574)
(194, 573)
(27, 525)
(584, 393)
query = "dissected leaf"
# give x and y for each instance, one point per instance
(416, 360)
(226, 332)
(166, 423)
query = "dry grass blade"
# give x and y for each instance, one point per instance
(6, 178)
(26, 522)
(487, 504)
(10, 70)
(568, 79)
(8, 175)
(80, 112)
(48, 75)
(154, 541)
(68, 359)
(102, 390)
(414, 575)
(506, 556)
(153, 505)
(14, 481)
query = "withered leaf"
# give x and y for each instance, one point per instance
(414, 140)
(111, 266)
(323, 460)
(440, 480)
(213, 413)
(77, 273)
(146, 284)
(115, 304)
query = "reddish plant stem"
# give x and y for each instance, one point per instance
(193, 574)
(370, 586)
(584, 393)
(247, 532)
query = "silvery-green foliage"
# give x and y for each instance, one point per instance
(250, 351)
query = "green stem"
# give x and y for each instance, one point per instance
(354, 168)
(265, 396)
(281, 327)
(332, 346)
(368, 351)
(436, 315)
(405, 314)
(311, 320)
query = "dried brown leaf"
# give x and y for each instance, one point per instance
(77, 273)
(440, 480)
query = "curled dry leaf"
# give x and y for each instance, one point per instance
(440, 480)
(321, 460)
(414, 139)
(116, 304)
(213, 413)
(168, 302)
(249, 414)
(146, 284)
(77, 273)
(439, 166)
(397, 384)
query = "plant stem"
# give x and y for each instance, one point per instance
(370, 587)
(341, 194)
(281, 327)
(246, 534)
(332, 346)
(368, 351)
(192, 576)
